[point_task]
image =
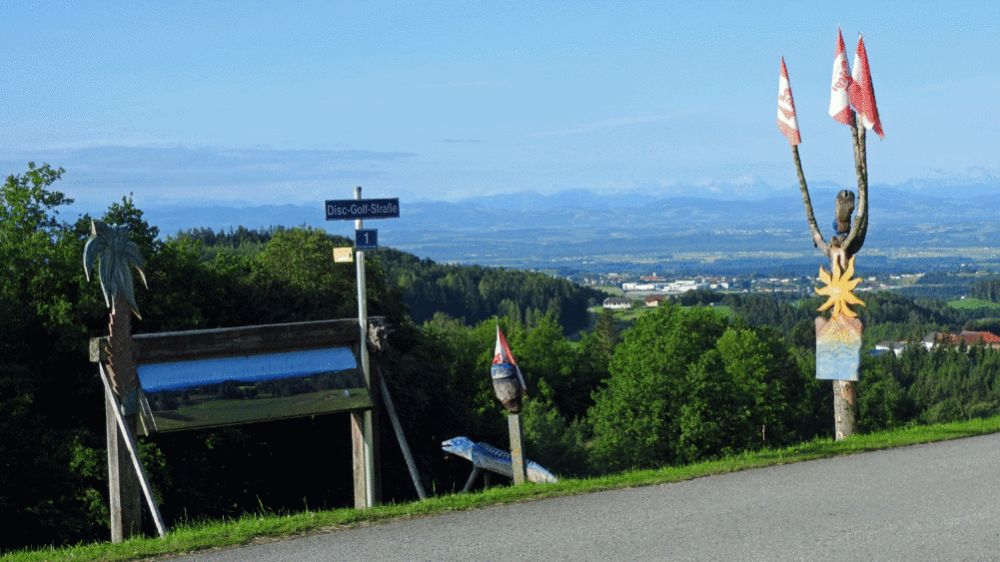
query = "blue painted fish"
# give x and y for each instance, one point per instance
(488, 457)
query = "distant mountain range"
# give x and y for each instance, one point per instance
(582, 230)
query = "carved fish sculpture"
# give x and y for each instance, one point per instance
(488, 457)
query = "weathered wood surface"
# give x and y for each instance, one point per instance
(124, 502)
(128, 449)
(242, 340)
(844, 409)
(516, 448)
(358, 460)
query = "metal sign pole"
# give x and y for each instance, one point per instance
(363, 354)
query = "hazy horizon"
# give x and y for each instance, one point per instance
(264, 104)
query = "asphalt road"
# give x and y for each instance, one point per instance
(929, 502)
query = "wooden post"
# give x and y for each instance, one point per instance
(358, 454)
(516, 450)
(844, 409)
(127, 477)
(123, 493)
(125, 504)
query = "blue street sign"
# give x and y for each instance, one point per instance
(366, 239)
(351, 209)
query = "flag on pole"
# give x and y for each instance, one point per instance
(862, 91)
(840, 102)
(788, 123)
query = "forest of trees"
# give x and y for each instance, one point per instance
(683, 383)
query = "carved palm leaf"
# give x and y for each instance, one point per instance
(115, 255)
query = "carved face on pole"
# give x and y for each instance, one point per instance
(842, 212)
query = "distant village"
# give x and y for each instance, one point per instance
(654, 288)
(651, 290)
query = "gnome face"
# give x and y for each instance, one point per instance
(507, 386)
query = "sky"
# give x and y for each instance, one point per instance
(297, 102)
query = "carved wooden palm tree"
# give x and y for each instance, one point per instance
(110, 249)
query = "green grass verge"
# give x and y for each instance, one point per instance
(970, 303)
(249, 528)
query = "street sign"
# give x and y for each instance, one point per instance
(351, 209)
(343, 255)
(366, 239)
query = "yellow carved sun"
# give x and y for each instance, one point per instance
(838, 290)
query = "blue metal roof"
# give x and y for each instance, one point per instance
(178, 375)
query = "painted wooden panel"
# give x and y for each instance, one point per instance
(838, 348)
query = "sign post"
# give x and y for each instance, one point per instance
(366, 422)
(362, 432)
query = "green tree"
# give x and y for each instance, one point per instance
(634, 417)
(45, 493)
(550, 440)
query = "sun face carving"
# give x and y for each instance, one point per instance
(837, 289)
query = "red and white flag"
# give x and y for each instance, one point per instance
(788, 123)
(840, 101)
(862, 91)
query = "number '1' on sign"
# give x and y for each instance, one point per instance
(366, 239)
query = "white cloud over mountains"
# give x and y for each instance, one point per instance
(164, 174)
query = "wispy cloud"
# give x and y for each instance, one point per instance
(464, 84)
(612, 123)
(170, 173)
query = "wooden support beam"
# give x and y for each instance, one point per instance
(242, 340)
(397, 427)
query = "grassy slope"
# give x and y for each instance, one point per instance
(252, 527)
(972, 304)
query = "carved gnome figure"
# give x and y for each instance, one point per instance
(842, 213)
(508, 383)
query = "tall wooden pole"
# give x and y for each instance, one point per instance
(516, 448)
(123, 483)
(845, 412)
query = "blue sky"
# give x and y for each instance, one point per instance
(298, 102)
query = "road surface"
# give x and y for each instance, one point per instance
(928, 502)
